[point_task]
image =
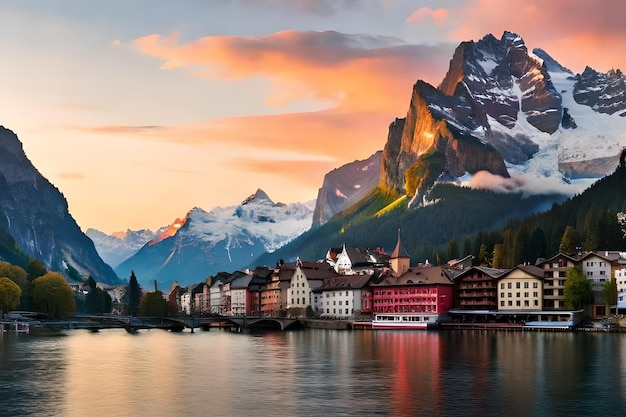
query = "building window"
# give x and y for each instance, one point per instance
(508, 285)
(510, 303)
(526, 303)
(502, 303)
(501, 295)
(526, 295)
(526, 284)
(517, 285)
(502, 285)
(518, 303)
(535, 285)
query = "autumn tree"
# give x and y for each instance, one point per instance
(10, 294)
(577, 290)
(569, 241)
(52, 295)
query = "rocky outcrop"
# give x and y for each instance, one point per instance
(605, 93)
(434, 140)
(451, 130)
(346, 185)
(35, 214)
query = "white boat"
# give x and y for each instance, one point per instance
(404, 321)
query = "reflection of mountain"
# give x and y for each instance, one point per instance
(223, 239)
(35, 214)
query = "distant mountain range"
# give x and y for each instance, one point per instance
(223, 239)
(117, 247)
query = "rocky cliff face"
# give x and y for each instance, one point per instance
(501, 107)
(434, 141)
(344, 186)
(35, 214)
(605, 93)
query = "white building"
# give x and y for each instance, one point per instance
(341, 297)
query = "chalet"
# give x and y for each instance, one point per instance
(476, 288)
(521, 289)
(342, 296)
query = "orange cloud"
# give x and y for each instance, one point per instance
(351, 71)
(575, 33)
(426, 14)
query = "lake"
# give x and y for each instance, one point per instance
(313, 373)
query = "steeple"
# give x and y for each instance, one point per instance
(400, 259)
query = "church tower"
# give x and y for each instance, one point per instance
(400, 259)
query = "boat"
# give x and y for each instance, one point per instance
(405, 321)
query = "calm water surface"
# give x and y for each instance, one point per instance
(313, 373)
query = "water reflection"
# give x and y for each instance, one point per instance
(313, 373)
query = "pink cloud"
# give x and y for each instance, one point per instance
(353, 71)
(426, 14)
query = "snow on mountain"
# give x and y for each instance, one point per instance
(596, 137)
(275, 224)
(119, 246)
(222, 239)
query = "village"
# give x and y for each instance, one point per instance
(373, 289)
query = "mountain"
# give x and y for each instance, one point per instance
(511, 113)
(345, 186)
(35, 215)
(119, 246)
(223, 239)
(506, 134)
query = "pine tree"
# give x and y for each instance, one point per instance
(133, 295)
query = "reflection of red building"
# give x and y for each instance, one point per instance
(424, 289)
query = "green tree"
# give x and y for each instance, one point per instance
(537, 247)
(453, 249)
(133, 295)
(97, 301)
(10, 294)
(52, 295)
(577, 291)
(153, 304)
(569, 241)
(609, 293)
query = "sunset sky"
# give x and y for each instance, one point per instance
(138, 111)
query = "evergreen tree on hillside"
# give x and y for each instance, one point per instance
(569, 241)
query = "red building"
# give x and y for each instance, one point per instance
(425, 289)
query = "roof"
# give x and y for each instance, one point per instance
(529, 269)
(558, 255)
(344, 282)
(419, 275)
(492, 272)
